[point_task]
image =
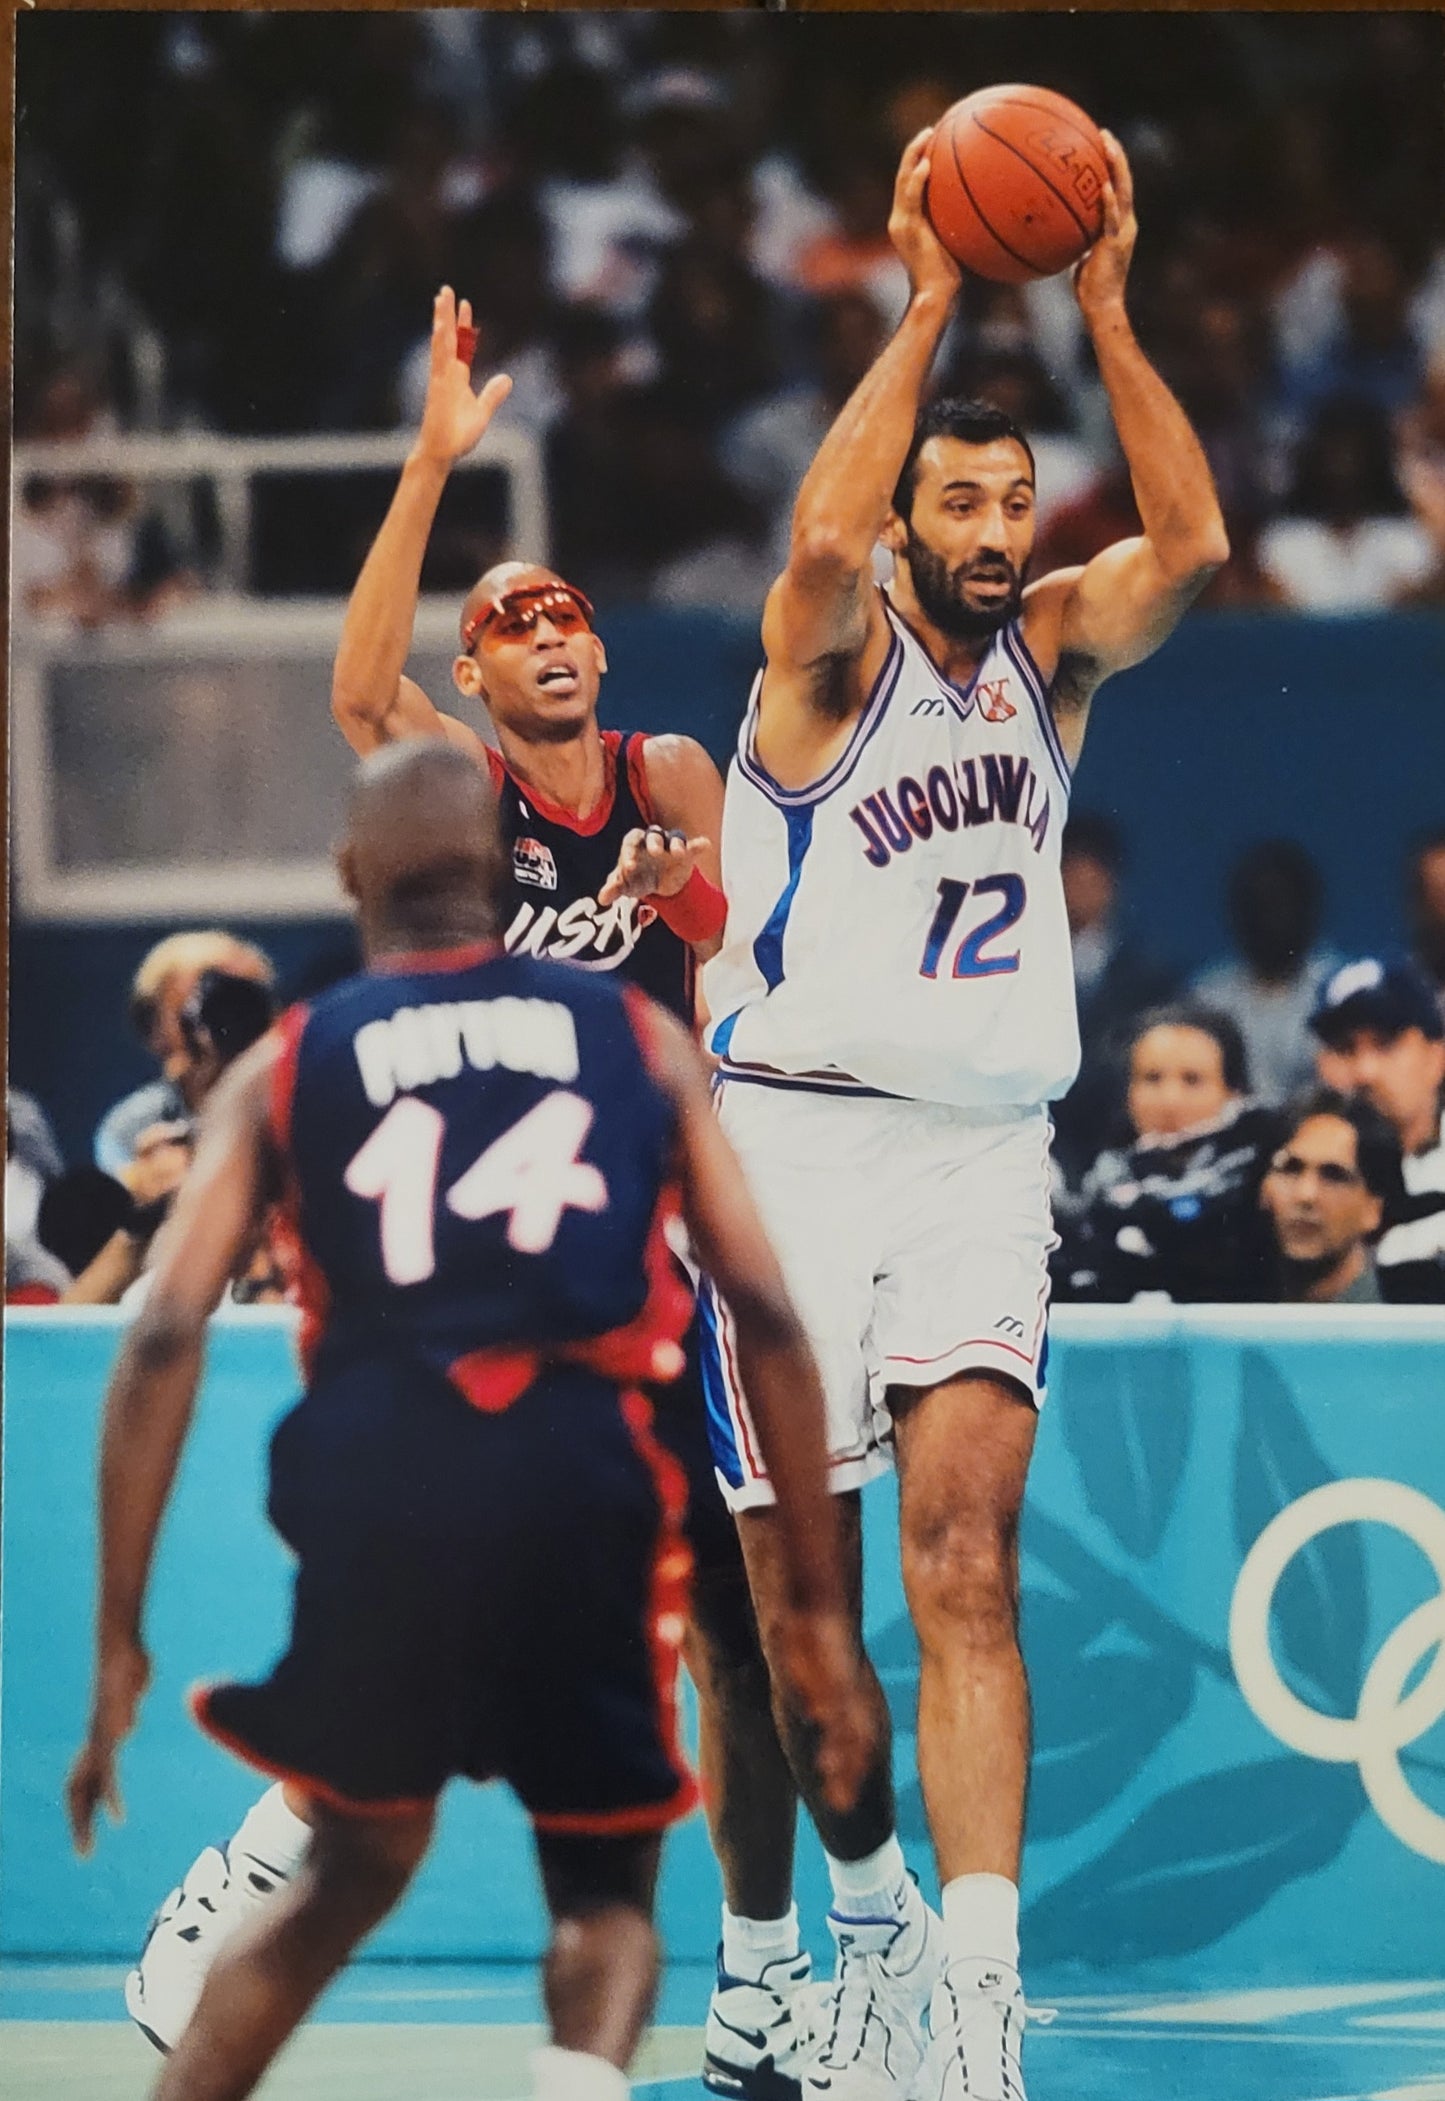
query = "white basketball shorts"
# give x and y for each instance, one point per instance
(914, 1238)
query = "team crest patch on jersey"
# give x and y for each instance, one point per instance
(993, 701)
(532, 863)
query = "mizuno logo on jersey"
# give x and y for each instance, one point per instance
(532, 863)
(996, 789)
(598, 937)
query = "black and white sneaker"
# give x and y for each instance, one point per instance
(868, 2027)
(220, 1893)
(758, 2037)
(976, 2030)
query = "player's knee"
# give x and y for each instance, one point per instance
(371, 1858)
(960, 1572)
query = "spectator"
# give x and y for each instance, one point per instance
(86, 548)
(1380, 1035)
(1372, 353)
(33, 1276)
(1326, 1193)
(1274, 899)
(1114, 983)
(770, 448)
(1425, 879)
(1177, 1213)
(1102, 512)
(165, 981)
(1346, 543)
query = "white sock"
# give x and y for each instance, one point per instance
(573, 2075)
(877, 1886)
(981, 1919)
(273, 1834)
(749, 1945)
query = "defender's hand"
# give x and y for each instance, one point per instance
(1100, 278)
(652, 863)
(929, 265)
(121, 1680)
(823, 1676)
(454, 418)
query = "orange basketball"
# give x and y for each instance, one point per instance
(1016, 183)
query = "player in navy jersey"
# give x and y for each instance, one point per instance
(612, 849)
(893, 1009)
(479, 1153)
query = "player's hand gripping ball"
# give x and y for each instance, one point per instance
(1016, 183)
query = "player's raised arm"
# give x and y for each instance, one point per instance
(823, 606)
(785, 1399)
(149, 1402)
(371, 699)
(1119, 608)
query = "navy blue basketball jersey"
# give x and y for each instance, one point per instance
(560, 862)
(479, 1163)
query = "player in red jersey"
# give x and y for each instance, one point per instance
(419, 1615)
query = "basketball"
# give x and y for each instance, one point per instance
(1016, 183)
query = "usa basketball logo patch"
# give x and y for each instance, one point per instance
(532, 863)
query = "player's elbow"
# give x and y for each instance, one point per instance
(823, 553)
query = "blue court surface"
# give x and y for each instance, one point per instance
(435, 2032)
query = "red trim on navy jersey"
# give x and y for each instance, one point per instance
(198, 1699)
(569, 819)
(637, 778)
(496, 766)
(413, 962)
(668, 1604)
(289, 1030)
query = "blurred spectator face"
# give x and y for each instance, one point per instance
(1176, 1080)
(1373, 293)
(1089, 890)
(530, 653)
(1400, 1074)
(1316, 1197)
(165, 983)
(1345, 469)
(1274, 908)
(1427, 907)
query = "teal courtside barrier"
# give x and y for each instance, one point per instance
(1234, 1560)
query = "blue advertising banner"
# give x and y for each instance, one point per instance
(1234, 1604)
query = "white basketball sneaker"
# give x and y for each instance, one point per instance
(758, 2035)
(868, 2025)
(976, 2030)
(220, 1894)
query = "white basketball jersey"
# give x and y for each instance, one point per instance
(898, 926)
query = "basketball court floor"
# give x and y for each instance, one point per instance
(423, 2032)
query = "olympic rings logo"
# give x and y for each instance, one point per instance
(1384, 1722)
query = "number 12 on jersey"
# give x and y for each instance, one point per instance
(532, 1173)
(969, 960)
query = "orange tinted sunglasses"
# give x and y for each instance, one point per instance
(513, 616)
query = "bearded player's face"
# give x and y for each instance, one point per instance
(967, 541)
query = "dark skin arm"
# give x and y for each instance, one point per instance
(686, 791)
(785, 1399)
(372, 701)
(149, 1404)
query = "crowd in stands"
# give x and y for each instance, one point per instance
(1271, 1132)
(672, 230)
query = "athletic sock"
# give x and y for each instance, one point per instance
(573, 2075)
(981, 1920)
(271, 1835)
(749, 1945)
(875, 1887)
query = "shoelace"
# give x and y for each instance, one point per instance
(850, 2000)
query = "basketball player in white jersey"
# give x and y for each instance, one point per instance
(893, 1009)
